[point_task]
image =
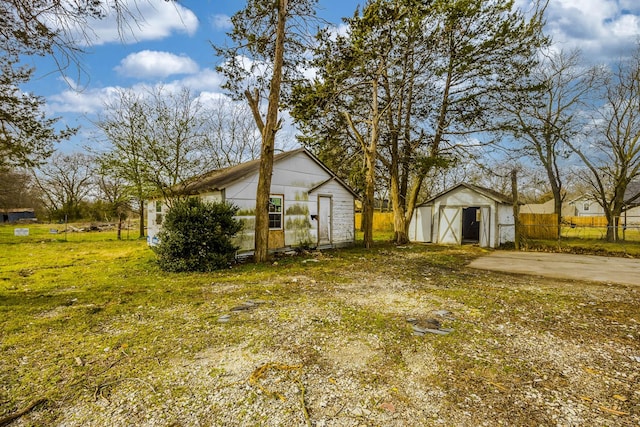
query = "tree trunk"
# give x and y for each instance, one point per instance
(412, 199)
(516, 208)
(557, 207)
(370, 166)
(119, 227)
(399, 215)
(553, 176)
(610, 226)
(261, 253)
(141, 213)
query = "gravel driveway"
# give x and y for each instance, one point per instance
(624, 271)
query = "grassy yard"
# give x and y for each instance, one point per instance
(583, 240)
(93, 333)
(62, 233)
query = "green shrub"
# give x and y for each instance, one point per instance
(196, 236)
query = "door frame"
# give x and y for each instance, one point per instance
(322, 219)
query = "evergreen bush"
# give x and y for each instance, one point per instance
(196, 236)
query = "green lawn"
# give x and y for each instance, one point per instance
(61, 232)
(93, 327)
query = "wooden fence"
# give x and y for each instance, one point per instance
(382, 221)
(539, 226)
(534, 226)
(585, 221)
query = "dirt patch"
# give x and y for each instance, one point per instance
(331, 346)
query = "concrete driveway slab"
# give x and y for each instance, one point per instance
(563, 266)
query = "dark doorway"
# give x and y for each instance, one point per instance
(470, 225)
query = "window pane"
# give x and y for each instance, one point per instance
(275, 212)
(275, 204)
(275, 221)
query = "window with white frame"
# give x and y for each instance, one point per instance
(158, 212)
(275, 212)
(586, 206)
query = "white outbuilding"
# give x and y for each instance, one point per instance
(464, 213)
(308, 206)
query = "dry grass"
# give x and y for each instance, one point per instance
(106, 338)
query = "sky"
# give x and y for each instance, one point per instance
(172, 47)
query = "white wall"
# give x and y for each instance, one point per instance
(154, 218)
(293, 177)
(580, 205)
(506, 225)
(501, 228)
(420, 225)
(342, 212)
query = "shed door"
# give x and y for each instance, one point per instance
(450, 225)
(324, 220)
(485, 226)
(420, 225)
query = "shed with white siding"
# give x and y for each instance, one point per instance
(309, 205)
(464, 213)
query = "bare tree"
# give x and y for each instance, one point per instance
(173, 136)
(543, 120)
(611, 151)
(115, 192)
(18, 190)
(65, 182)
(231, 136)
(121, 123)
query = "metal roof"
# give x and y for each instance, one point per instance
(221, 178)
(487, 192)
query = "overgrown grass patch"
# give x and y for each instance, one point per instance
(586, 246)
(97, 328)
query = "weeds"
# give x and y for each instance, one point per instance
(90, 328)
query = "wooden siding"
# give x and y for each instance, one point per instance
(294, 177)
(300, 180)
(343, 212)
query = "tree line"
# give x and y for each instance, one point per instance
(408, 91)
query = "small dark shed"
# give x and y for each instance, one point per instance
(17, 214)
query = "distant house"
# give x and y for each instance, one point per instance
(464, 213)
(547, 208)
(587, 206)
(584, 205)
(632, 194)
(309, 205)
(17, 215)
(632, 203)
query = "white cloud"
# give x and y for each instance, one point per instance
(626, 26)
(205, 83)
(149, 21)
(148, 63)
(221, 22)
(86, 102)
(603, 29)
(207, 80)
